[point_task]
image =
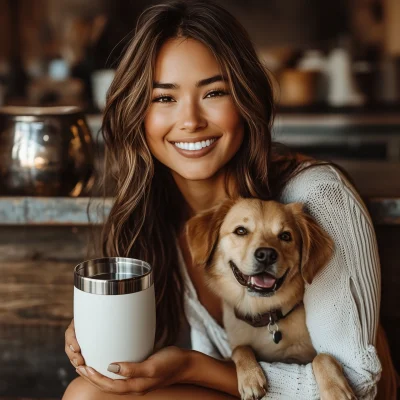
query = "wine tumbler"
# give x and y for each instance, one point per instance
(114, 311)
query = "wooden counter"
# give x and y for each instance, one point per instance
(68, 211)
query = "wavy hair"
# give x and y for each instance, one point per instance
(146, 217)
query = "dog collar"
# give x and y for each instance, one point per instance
(269, 319)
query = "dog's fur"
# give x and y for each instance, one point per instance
(215, 245)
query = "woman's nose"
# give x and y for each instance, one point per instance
(191, 118)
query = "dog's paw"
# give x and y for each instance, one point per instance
(252, 384)
(338, 392)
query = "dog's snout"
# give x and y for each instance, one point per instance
(266, 255)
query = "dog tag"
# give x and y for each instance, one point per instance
(277, 336)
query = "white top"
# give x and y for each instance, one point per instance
(342, 303)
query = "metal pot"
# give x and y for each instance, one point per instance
(45, 151)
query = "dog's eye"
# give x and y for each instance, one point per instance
(285, 236)
(240, 230)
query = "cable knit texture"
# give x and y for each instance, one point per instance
(342, 303)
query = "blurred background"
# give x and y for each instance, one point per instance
(52, 52)
(335, 66)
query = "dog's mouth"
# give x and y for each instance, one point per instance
(263, 284)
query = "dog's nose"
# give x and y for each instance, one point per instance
(266, 255)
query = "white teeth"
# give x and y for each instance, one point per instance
(194, 146)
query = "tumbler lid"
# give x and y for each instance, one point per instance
(113, 276)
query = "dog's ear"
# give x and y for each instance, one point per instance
(202, 231)
(317, 246)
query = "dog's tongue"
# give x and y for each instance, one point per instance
(263, 280)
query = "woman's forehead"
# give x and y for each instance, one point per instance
(183, 59)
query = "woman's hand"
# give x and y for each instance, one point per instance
(168, 366)
(72, 347)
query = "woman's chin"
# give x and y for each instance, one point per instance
(197, 176)
(201, 175)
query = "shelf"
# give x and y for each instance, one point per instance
(74, 211)
(53, 210)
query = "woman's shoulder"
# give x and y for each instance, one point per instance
(325, 191)
(310, 178)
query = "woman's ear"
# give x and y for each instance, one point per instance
(202, 232)
(317, 246)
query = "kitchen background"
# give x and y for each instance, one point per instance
(335, 65)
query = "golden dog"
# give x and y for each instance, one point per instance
(257, 256)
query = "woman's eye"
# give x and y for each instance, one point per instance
(163, 99)
(285, 236)
(241, 231)
(216, 93)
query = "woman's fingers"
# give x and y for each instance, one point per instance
(117, 386)
(72, 348)
(130, 369)
(88, 380)
(75, 358)
(70, 338)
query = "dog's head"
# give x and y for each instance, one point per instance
(260, 248)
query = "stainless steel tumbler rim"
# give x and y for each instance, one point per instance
(88, 276)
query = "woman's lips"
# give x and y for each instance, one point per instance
(195, 153)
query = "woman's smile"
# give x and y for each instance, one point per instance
(195, 148)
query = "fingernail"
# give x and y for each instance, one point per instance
(71, 347)
(75, 361)
(82, 371)
(114, 368)
(91, 371)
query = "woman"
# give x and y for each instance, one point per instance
(188, 123)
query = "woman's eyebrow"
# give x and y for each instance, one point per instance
(203, 82)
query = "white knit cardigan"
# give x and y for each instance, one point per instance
(342, 303)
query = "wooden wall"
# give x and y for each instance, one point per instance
(36, 293)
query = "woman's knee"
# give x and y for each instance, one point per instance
(79, 389)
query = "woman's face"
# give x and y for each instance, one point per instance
(193, 126)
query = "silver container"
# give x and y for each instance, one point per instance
(45, 151)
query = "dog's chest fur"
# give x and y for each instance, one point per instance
(295, 346)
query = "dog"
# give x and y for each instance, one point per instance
(257, 256)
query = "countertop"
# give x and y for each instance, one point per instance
(69, 211)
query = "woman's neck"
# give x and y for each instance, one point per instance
(202, 194)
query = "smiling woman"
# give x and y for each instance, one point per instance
(187, 125)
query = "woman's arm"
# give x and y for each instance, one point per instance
(166, 367)
(209, 372)
(342, 303)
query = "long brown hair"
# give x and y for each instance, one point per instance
(145, 217)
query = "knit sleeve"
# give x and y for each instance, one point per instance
(342, 303)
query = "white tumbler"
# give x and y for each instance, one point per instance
(114, 311)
